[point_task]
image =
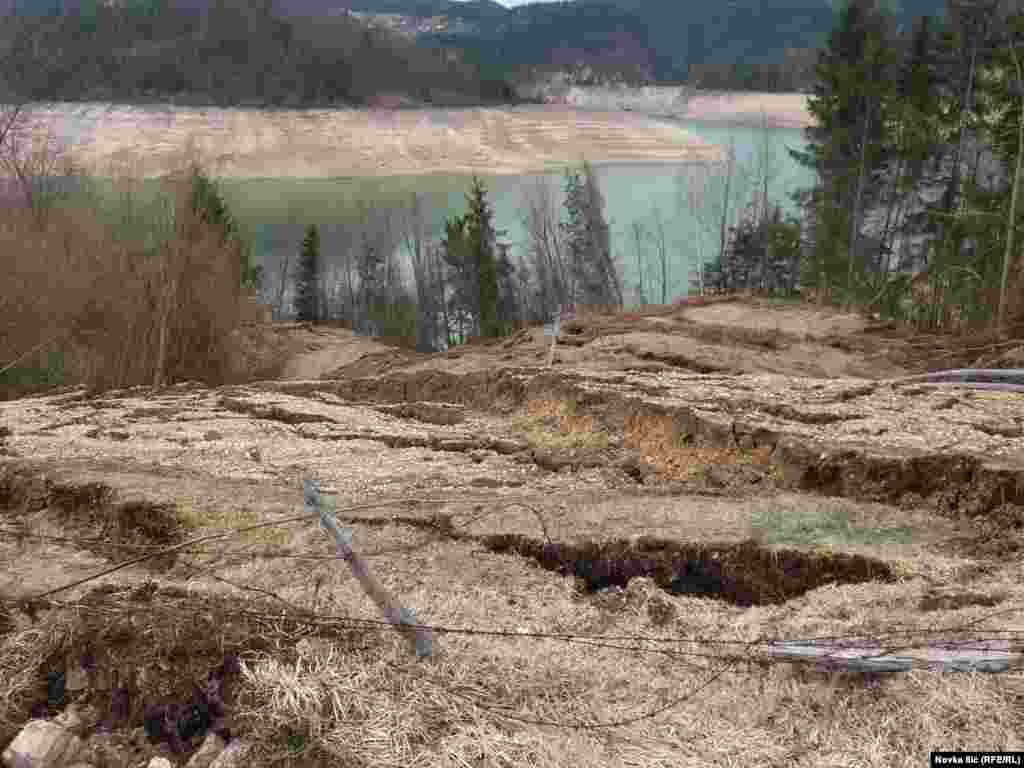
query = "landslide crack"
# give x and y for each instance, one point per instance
(272, 412)
(742, 573)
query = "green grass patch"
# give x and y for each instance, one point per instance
(21, 380)
(226, 520)
(541, 434)
(828, 527)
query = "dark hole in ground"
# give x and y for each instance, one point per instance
(743, 573)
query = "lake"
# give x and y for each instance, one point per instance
(275, 211)
(281, 171)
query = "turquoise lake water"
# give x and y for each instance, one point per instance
(276, 211)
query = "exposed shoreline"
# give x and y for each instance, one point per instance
(148, 141)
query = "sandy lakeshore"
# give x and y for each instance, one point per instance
(780, 110)
(247, 143)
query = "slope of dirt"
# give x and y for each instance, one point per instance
(722, 337)
(591, 541)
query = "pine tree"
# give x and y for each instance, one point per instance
(307, 300)
(851, 104)
(469, 248)
(483, 244)
(508, 307)
(465, 297)
(370, 266)
(916, 125)
(208, 205)
(593, 275)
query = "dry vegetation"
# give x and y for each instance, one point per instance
(114, 292)
(506, 520)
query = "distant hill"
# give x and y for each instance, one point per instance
(760, 44)
(659, 39)
(227, 52)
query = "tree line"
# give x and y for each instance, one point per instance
(464, 283)
(917, 148)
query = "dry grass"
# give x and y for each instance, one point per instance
(23, 651)
(347, 691)
(384, 709)
(363, 700)
(223, 520)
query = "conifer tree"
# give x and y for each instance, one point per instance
(593, 275)
(207, 203)
(483, 244)
(469, 248)
(307, 284)
(851, 104)
(465, 296)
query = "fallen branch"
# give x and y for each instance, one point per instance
(967, 656)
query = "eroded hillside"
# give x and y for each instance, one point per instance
(736, 471)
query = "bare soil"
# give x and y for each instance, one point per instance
(780, 110)
(245, 143)
(598, 542)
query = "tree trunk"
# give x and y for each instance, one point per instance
(855, 216)
(280, 292)
(1004, 283)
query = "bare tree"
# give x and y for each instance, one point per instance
(427, 274)
(374, 264)
(715, 193)
(638, 239)
(766, 168)
(546, 246)
(283, 275)
(1018, 176)
(662, 246)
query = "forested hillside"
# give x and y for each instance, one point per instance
(227, 52)
(756, 44)
(918, 149)
(441, 51)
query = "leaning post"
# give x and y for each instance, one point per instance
(404, 620)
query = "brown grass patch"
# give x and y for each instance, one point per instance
(665, 449)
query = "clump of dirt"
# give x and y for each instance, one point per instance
(22, 491)
(90, 513)
(771, 339)
(741, 573)
(935, 600)
(671, 452)
(105, 526)
(272, 412)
